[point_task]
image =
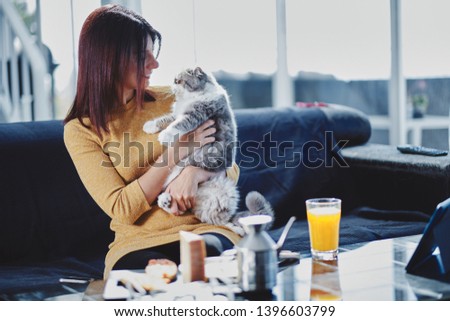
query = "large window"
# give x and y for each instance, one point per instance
(426, 66)
(235, 39)
(217, 35)
(337, 51)
(340, 51)
(348, 39)
(60, 27)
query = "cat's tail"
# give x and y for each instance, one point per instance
(256, 205)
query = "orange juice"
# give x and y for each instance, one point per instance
(323, 225)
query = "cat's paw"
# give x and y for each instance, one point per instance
(236, 229)
(164, 201)
(151, 127)
(167, 136)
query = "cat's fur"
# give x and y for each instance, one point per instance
(198, 97)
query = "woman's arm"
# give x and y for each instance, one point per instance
(184, 188)
(153, 180)
(124, 201)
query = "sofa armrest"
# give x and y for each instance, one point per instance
(348, 124)
(384, 178)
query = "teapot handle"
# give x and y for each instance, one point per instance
(285, 233)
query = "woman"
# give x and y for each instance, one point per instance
(122, 167)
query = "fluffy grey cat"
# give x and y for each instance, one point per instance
(198, 97)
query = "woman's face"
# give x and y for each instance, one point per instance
(131, 82)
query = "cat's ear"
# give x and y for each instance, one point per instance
(198, 72)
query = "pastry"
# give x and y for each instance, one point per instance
(162, 268)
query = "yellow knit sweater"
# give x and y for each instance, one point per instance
(109, 168)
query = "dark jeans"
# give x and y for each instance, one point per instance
(215, 245)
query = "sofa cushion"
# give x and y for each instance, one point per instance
(287, 155)
(46, 212)
(40, 280)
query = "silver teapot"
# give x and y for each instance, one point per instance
(257, 254)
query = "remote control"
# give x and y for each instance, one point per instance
(420, 150)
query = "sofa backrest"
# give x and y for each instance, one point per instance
(45, 211)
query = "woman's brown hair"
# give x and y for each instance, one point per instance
(111, 37)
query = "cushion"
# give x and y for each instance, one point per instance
(281, 148)
(40, 280)
(46, 213)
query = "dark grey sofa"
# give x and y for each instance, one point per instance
(51, 228)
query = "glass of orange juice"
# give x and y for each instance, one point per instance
(324, 215)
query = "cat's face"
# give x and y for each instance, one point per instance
(192, 79)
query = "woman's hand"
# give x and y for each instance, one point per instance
(183, 188)
(193, 140)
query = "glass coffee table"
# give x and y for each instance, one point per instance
(366, 271)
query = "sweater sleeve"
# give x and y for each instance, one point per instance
(233, 173)
(121, 201)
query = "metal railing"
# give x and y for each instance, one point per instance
(24, 77)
